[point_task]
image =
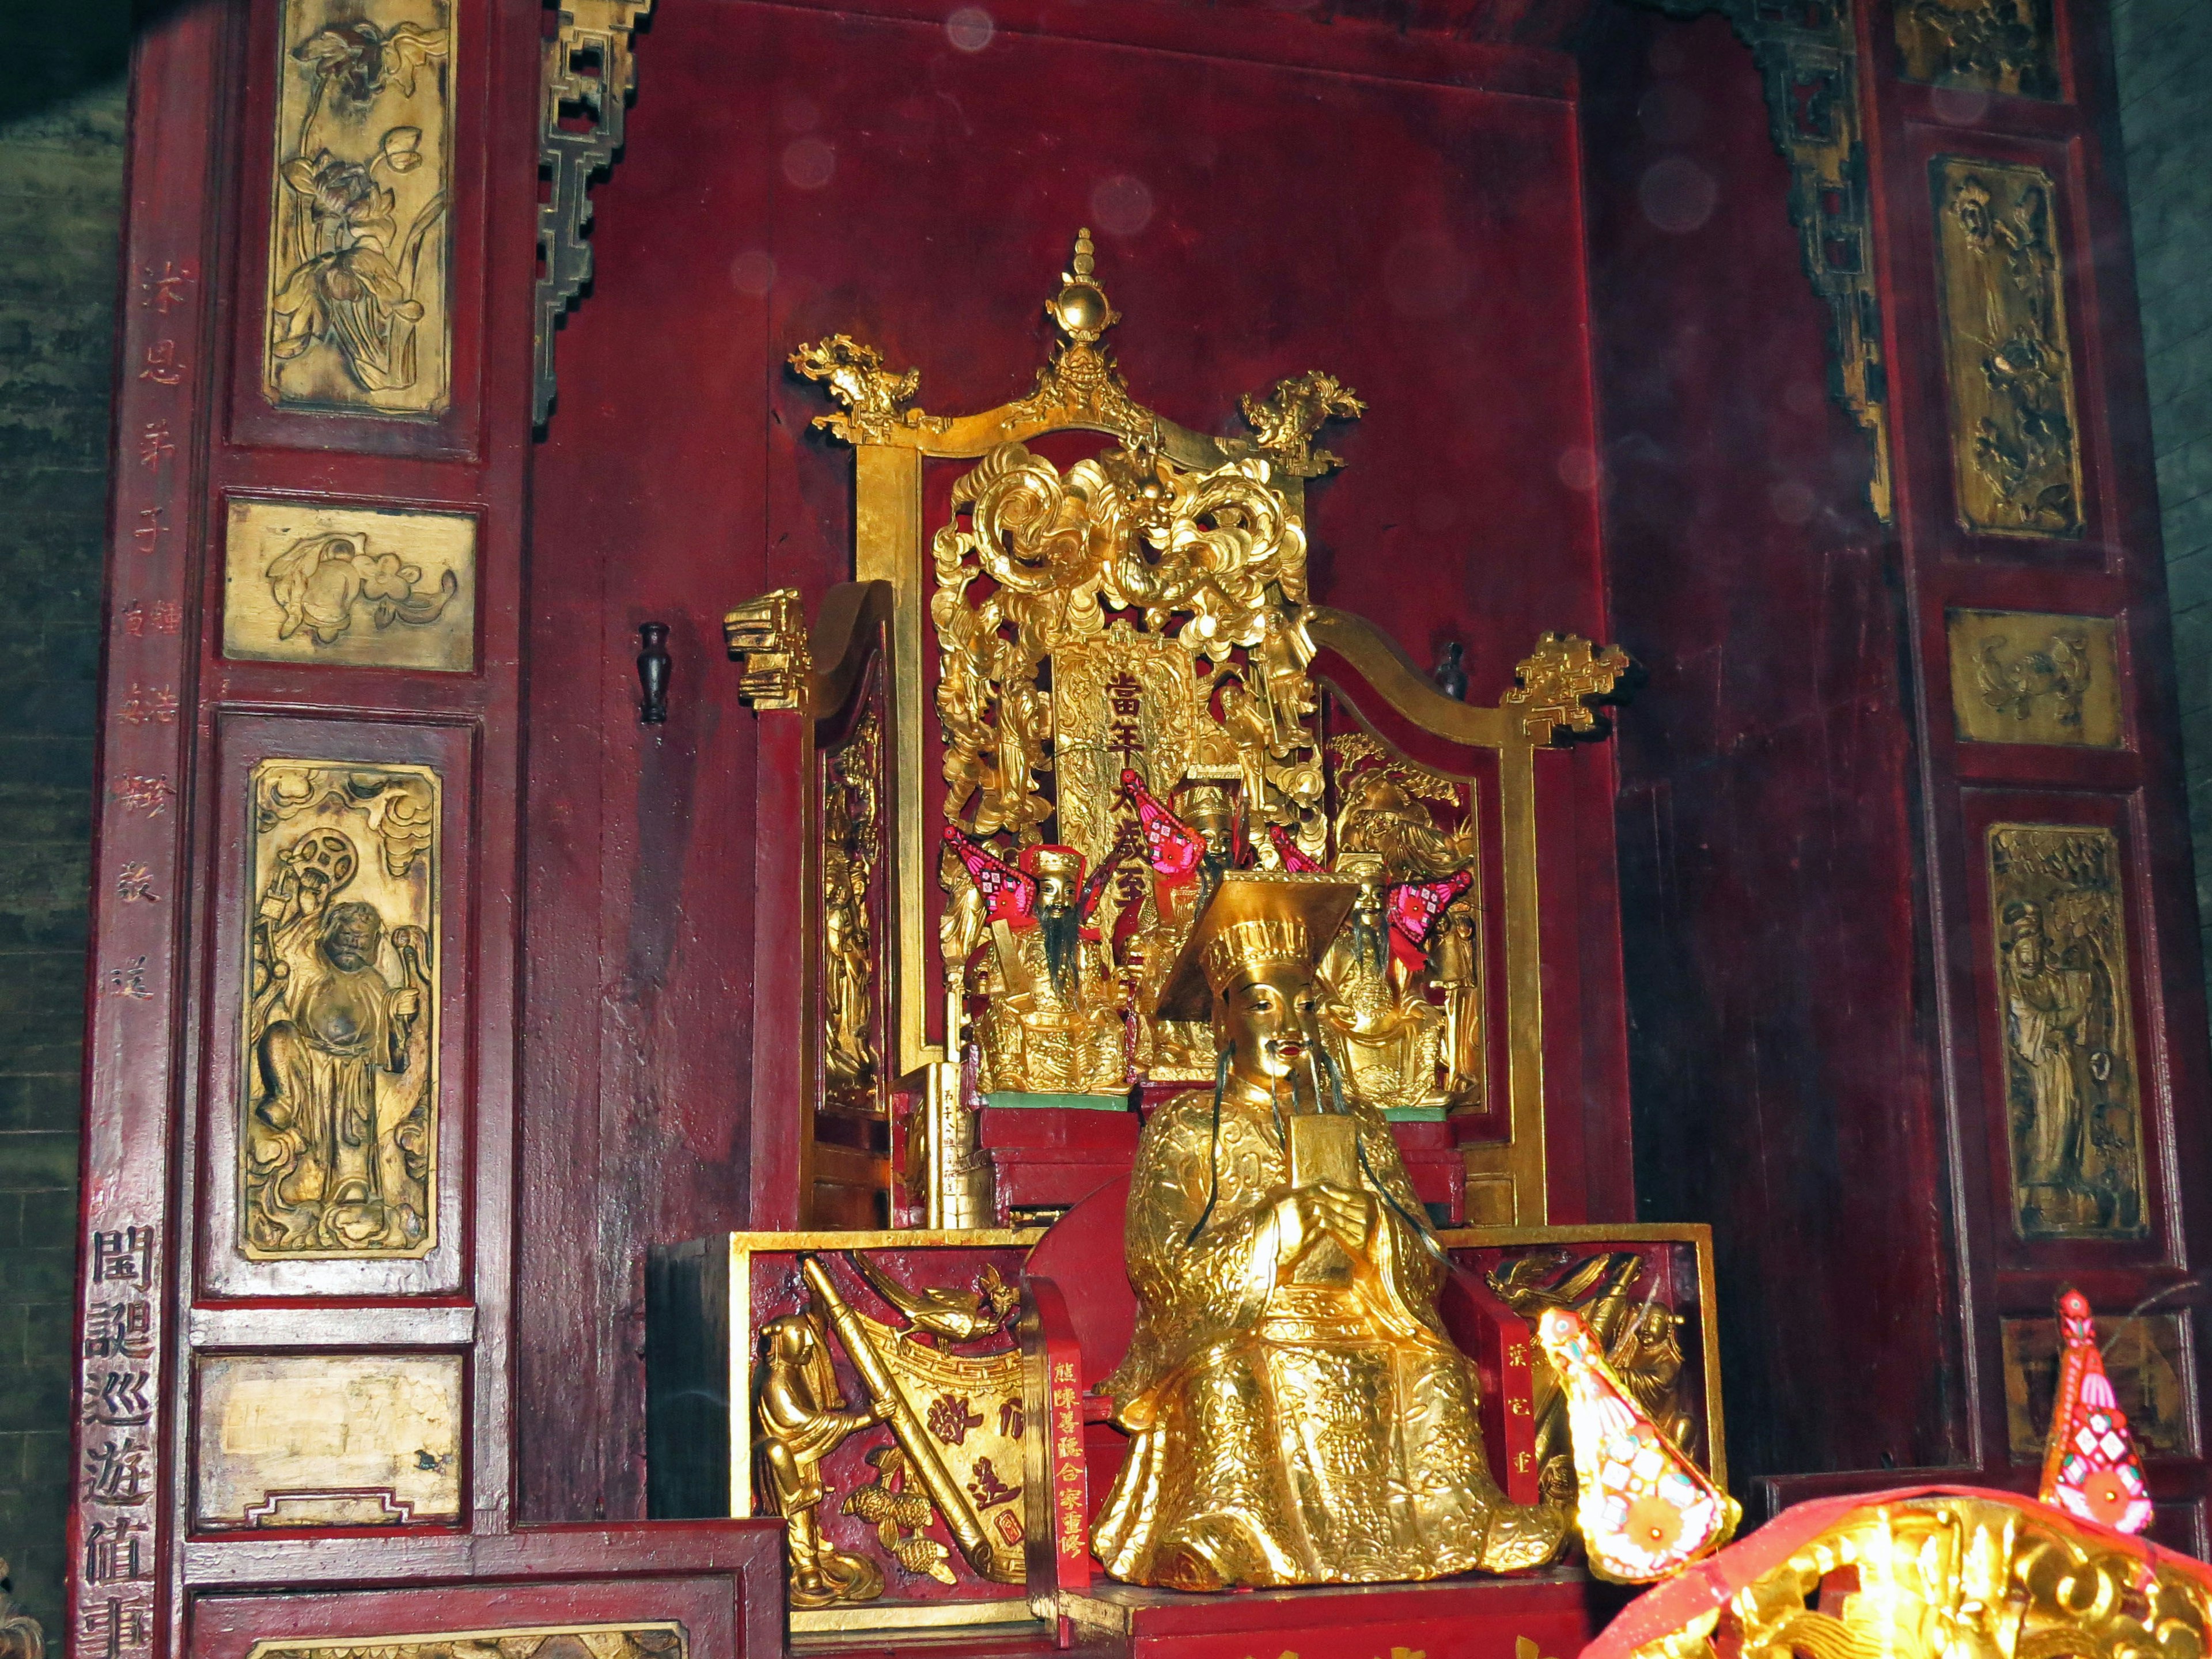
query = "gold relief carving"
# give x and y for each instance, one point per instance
(1640, 1339)
(323, 1439)
(588, 76)
(2146, 1357)
(360, 233)
(768, 637)
(1942, 1574)
(2017, 677)
(2072, 1098)
(855, 376)
(654, 1641)
(1285, 420)
(802, 1420)
(851, 846)
(1984, 46)
(357, 587)
(1556, 684)
(339, 1063)
(2016, 457)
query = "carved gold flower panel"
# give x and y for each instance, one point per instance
(324, 1439)
(2023, 676)
(1981, 45)
(2147, 1357)
(2015, 440)
(359, 317)
(363, 587)
(337, 1081)
(2073, 1100)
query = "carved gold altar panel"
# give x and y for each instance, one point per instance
(337, 1060)
(851, 900)
(2147, 1360)
(654, 1641)
(1980, 45)
(359, 316)
(871, 1392)
(327, 1439)
(2065, 1012)
(2022, 676)
(308, 582)
(2015, 438)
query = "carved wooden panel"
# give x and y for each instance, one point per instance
(2147, 1360)
(2024, 677)
(661, 1641)
(338, 1083)
(2016, 444)
(380, 587)
(323, 1439)
(361, 231)
(2072, 1098)
(1982, 45)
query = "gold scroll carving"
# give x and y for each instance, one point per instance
(634, 1641)
(359, 236)
(768, 636)
(851, 840)
(1980, 45)
(2147, 1360)
(2014, 436)
(2017, 677)
(323, 1439)
(1939, 1576)
(370, 587)
(338, 1086)
(2072, 1098)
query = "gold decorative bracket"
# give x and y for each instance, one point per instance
(768, 637)
(588, 69)
(1807, 56)
(1556, 685)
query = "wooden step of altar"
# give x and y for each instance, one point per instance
(1472, 1618)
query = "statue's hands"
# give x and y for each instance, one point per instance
(1349, 1214)
(1306, 1215)
(406, 1003)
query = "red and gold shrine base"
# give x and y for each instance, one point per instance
(1539, 1616)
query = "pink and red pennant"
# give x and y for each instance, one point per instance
(2090, 1469)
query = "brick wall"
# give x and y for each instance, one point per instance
(61, 177)
(2164, 53)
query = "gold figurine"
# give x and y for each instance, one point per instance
(1299, 1415)
(802, 1420)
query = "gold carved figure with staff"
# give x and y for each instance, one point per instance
(1298, 1414)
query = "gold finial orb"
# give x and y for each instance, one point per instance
(1081, 308)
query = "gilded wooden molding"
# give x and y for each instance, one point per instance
(1808, 57)
(587, 71)
(768, 637)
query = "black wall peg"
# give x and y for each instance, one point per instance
(1450, 676)
(652, 673)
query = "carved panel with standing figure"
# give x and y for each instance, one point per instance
(2073, 1099)
(360, 229)
(339, 1085)
(2014, 436)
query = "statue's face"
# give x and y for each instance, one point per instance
(1369, 904)
(1266, 1019)
(1055, 894)
(352, 940)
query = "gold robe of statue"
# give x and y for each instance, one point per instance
(1298, 1414)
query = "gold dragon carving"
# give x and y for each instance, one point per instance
(1943, 1576)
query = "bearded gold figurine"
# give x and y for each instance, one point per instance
(1298, 1414)
(1053, 1021)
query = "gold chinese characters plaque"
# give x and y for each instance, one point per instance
(363, 587)
(338, 1087)
(2073, 1100)
(360, 317)
(2018, 677)
(322, 1439)
(2016, 445)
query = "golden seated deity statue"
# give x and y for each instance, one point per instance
(1299, 1415)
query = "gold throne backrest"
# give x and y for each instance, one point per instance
(1059, 616)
